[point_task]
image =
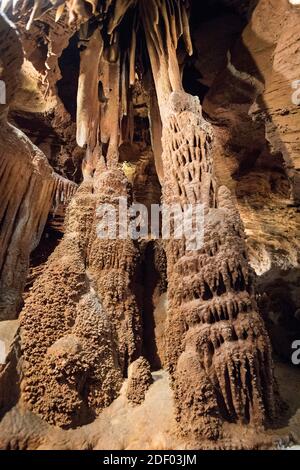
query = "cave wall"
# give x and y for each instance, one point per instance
(27, 182)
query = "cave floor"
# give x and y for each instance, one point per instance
(149, 426)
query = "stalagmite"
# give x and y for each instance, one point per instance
(97, 276)
(113, 263)
(73, 338)
(100, 273)
(214, 320)
(205, 351)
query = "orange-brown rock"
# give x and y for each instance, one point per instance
(221, 343)
(64, 317)
(139, 381)
(114, 341)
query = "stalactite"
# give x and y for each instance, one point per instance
(120, 8)
(63, 191)
(111, 113)
(132, 59)
(100, 274)
(162, 45)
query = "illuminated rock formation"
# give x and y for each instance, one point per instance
(70, 366)
(222, 365)
(107, 85)
(29, 186)
(218, 350)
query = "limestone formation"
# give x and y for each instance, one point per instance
(139, 381)
(147, 102)
(29, 186)
(223, 341)
(70, 368)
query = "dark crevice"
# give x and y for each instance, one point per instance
(69, 64)
(151, 279)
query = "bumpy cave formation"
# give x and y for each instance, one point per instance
(149, 102)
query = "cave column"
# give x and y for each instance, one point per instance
(218, 351)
